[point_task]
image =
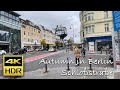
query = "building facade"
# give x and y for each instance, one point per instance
(48, 35)
(30, 35)
(10, 36)
(96, 26)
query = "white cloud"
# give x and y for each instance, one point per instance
(52, 18)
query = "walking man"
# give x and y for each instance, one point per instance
(83, 52)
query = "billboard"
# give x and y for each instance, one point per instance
(91, 47)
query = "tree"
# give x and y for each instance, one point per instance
(61, 43)
(43, 42)
(57, 43)
(69, 41)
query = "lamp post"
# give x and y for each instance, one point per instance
(10, 41)
(73, 32)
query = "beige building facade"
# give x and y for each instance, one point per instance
(30, 35)
(96, 26)
(48, 35)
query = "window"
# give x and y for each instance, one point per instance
(17, 18)
(38, 31)
(106, 27)
(10, 15)
(13, 17)
(24, 32)
(85, 18)
(28, 33)
(93, 28)
(6, 14)
(13, 21)
(28, 40)
(32, 40)
(23, 26)
(24, 39)
(89, 18)
(16, 22)
(89, 29)
(10, 21)
(2, 17)
(6, 19)
(83, 34)
(105, 14)
(2, 12)
(86, 30)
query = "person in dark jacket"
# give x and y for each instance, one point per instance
(84, 52)
(25, 50)
(101, 49)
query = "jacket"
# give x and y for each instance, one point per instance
(77, 53)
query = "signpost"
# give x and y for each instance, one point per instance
(116, 38)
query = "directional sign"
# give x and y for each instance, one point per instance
(116, 20)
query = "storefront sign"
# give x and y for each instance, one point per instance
(116, 20)
(91, 47)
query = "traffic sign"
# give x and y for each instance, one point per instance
(116, 20)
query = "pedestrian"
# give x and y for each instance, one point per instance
(83, 52)
(66, 49)
(101, 49)
(25, 50)
(77, 55)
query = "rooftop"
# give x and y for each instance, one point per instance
(13, 13)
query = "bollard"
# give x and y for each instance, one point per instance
(68, 64)
(90, 64)
(46, 66)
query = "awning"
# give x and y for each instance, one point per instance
(102, 38)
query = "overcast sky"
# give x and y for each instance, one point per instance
(50, 19)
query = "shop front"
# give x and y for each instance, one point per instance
(9, 38)
(104, 41)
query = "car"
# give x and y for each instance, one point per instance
(30, 50)
(37, 49)
(2, 52)
(51, 49)
(18, 51)
(41, 49)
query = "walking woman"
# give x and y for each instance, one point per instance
(77, 56)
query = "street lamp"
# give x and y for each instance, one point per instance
(73, 31)
(10, 41)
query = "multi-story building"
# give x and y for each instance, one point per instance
(10, 36)
(31, 35)
(96, 26)
(48, 35)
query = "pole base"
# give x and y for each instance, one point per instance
(68, 69)
(91, 69)
(46, 71)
